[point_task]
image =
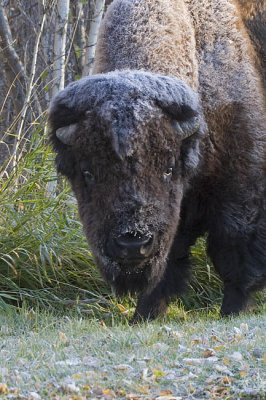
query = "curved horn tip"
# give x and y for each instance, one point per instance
(66, 134)
(187, 128)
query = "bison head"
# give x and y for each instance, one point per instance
(128, 142)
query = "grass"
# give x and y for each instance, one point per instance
(70, 357)
(44, 257)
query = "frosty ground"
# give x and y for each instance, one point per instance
(199, 356)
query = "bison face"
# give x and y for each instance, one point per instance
(128, 142)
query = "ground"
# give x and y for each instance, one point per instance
(199, 356)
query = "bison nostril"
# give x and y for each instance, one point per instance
(143, 250)
(133, 246)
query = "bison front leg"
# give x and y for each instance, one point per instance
(235, 299)
(150, 307)
(241, 263)
(173, 284)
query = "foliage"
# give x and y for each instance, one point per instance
(43, 254)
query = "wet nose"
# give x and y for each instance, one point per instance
(133, 246)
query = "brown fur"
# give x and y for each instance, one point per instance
(254, 16)
(202, 42)
(148, 36)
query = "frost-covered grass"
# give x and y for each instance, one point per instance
(197, 356)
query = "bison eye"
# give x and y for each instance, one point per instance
(168, 175)
(89, 178)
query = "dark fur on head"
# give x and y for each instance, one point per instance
(125, 129)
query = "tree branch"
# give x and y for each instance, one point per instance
(13, 67)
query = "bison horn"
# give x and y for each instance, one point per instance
(66, 134)
(187, 128)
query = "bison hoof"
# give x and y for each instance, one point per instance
(146, 312)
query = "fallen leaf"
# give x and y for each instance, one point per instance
(208, 353)
(109, 392)
(221, 347)
(192, 361)
(191, 388)
(103, 324)
(236, 356)
(121, 308)
(143, 389)
(221, 368)
(216, 339)
(122, 367)
(168, 398)
(225, 361)
(76, 376)
(70, 388)
(34, 396)
(62, 337)
(195, 341)
(158, 373)
(165, 392)
(3, 388)
(122, 392)
(226, 380)
(133, 396)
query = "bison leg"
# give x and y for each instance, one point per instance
(235, 299)
(241, 263)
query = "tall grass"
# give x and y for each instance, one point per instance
(44, 257)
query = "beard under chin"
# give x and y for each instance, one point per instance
(132, 281)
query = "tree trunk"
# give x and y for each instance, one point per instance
(93, 35)
(60, 45)
(30, 87)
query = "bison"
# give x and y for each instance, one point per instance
(167, 142)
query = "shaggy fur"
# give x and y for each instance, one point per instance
(254, 16)
(127, 141)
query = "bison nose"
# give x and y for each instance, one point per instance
(132, 247)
